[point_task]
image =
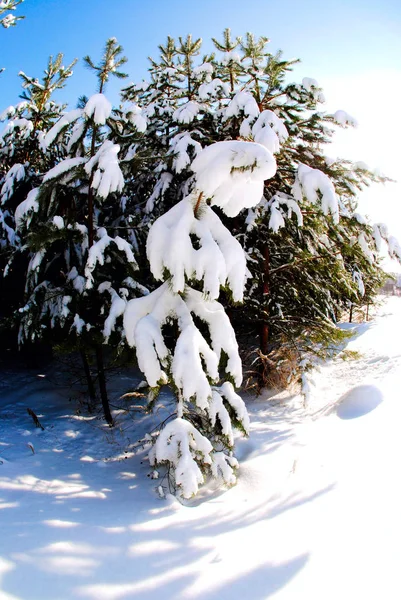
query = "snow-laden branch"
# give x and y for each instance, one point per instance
(219, 260)
(314, 185)
(144, 319)
(231, 174)
(107, 177)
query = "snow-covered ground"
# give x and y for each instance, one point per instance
(315, 514)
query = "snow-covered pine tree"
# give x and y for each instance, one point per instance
(243, 94)
(23, 160)
(300, 246)
(194, 254)
(82, 261)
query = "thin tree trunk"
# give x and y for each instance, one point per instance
(350, 313)
(89, 380)
(102, 385)
(264, 332)
(367, 312)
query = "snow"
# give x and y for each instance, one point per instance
(311, 181)
(218, 260)
(97, 250)
(24, 126)
(211, 89)
(314, 514)
(269, 130)
(63, 167)
(98, 108)
(179, 147)
(187, 112)
(232, 174)
(343, 118)
(135, 115)
(61, 124)
(107, 177)
(58, 222)
(14, 174)
(117, 309)
(144, 319)
(242, 101)
(29, 205)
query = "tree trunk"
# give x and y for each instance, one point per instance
(264, 331)
(102, 385)
(89, 380)
(350, 313)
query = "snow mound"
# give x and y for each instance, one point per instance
(359, 401)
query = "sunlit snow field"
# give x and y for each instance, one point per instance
(315, 514)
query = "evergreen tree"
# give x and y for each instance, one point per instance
(81, 270)
(299, 236)
(24, 159)
(193, 254)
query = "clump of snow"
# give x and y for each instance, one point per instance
(58, 222)
(14, 174)
(358, 279)
(219, 260)
(230, 57)
(187, 112)
(182, 446)
(343, 118)
(203, 69)
(143, 322)
(96, 253)
(22, 126)
(231, 174)
(179, 147)
(29, 205)
(98, 108)
(242, 102)
(136, 116)
(7, 113)
(210, 89)
(159, 190)
(365, 248)
(269, 130)
(312, 86)
(117, 309)
(107, 177)
(313, 184)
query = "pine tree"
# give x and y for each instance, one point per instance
(81, 270)
(23, 162)
(243, 94)
(193, 254)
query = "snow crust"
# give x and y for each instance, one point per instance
(106, 533)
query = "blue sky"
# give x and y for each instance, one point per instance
(331, 38)
(352, 47)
